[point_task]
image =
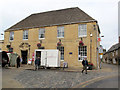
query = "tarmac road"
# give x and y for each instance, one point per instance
(107, 82)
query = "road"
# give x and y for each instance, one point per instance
(107, 82)
(26, 77)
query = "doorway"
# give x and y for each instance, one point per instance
(24, 56)
(38, 54)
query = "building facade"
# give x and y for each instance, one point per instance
(112, 56)
(70, 30)
(1, 44)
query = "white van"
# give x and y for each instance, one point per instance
(49, 58)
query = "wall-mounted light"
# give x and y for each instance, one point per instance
(91, 35)
(94, 27)
(2, 34)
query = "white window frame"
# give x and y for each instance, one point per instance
(60, 32)
(82, 52)
(82, 30)
(11, 36)
(113, 54)
(41, 32)
(61, 49)
(25, 33)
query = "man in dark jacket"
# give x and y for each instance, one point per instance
(37, 63)
(85, 64)
(18, 61)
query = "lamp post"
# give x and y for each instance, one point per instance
(101, 52)
(98, 40)
(91, 47)
(29, 50)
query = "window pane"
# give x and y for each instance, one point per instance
(61, 49)
(82, 52)
(82, 29)
(11, 35)
(60, 31)
(25, 34)
(42, 33)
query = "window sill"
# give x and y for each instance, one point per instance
(41, 38)
(11, 40)
(25, 39)
(60, 37)
(82, 36)
(80, 60)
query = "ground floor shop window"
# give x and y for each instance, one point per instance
(82, 52)
(61, 49)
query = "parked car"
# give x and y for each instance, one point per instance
(4, 60)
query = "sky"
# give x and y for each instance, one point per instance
(104, 11)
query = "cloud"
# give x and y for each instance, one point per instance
(104, 11)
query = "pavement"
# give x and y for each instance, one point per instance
(26, 77)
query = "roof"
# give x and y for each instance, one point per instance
(50, 18)
(114, 47)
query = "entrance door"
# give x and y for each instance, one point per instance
(24, 56)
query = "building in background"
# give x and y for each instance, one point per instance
(70, 30)
(112, 56)
(1, 44)
(119, 21)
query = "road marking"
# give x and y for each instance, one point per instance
(101, 78)
(84, 84)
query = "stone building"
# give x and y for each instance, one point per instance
(112, 56)
(70, 30)
(1, 44)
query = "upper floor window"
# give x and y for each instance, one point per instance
(42, 33)
(113, 53)
(82, 30)
(60, 32)
(116, 52)
(11, 36)
(25, 35)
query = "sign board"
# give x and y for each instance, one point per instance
(70, 52)
(100, 53)
(101, 49)
(30, 61)
(33, 58)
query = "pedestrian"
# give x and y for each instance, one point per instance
(18, 61)
(85, 64)
(37, 63)
(21, 60)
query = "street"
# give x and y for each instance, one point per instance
(26, 77)
(111, 82)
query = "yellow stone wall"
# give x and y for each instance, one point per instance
(70, 42)
(1, 44)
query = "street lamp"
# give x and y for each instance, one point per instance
(2, 34)
(29, 50)
(91, 47)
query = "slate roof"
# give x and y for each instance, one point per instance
(114, 47)
(50, 18)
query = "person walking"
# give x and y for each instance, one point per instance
(37, 63)
(18, 61)
(85, 64)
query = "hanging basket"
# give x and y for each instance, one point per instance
(59, 44)
(81, 43)
(39, 45)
